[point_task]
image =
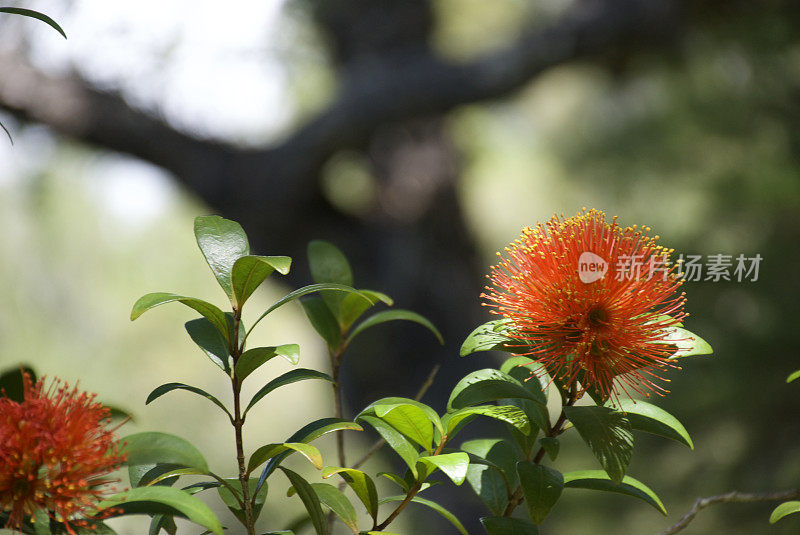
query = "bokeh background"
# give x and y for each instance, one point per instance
(420, 136)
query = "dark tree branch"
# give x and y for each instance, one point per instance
(372, 93)
(730, 497)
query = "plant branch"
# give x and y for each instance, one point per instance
(729, 497)
(420, 394)
(238, 424)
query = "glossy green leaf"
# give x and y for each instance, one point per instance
(310, 500)
(492, 336)
(433, 505)
(12, 385)
(211, 341)
(394, 315)
(599, 480)
(169, 387)
(322, 319)
(492, 482)
(142, 475)
(232, 503)
(608, 434)
(551, 446)
(264, 453)
(209, 311)
(305, 290)
(362, 485)
(532, 375)
(152, 447)
(412, 418)
(248, 272)
(34, 15)
(306, 434)
(292, 376)
(394, 478)
(541, 486)
(651, 419)
(222, 243)
(793, 376)
(454, 465)
(329, 265)
(454, 421)
(396, 440)
(501, 525)
(483, 386)
(253, 358)
(353, 306)
(336, 501)
(786, 508)
(146, 499)
(688, 344)
(173, 474)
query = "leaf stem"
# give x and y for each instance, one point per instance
(238, 424)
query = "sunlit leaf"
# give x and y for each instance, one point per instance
(786, 508)
(253, 358)
(396, 440)
(362, 485)
(209, 311)
(454, 465)
(492, 336)
(222, 243)
(412, 418)
(687, 343)
(607, 433)
(454, 421)
(353, 305)
(599, 480)
(248, 272)
(264, 453)
(651, 419)
(487, 385)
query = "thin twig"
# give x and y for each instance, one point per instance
(730, 497)
(420, 394)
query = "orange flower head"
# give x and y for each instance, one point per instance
(591, 301)
(55, 454)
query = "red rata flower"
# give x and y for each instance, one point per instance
(592, 299)
(55, 454)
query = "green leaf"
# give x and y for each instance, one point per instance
(222, 243)
(599, 480)
(336, 501)
(267, 452)
(211, 341)
(500, 525)
(786, 508)
(153, 447)
(792, 376)
(487, 385)
(433, 505)
(329, 265)
(248, 272)
(305, 290)
(173, 474)
(362, 485)
(142, 475)
(608, 433)
(11, 140)
(412, 418)
(169, 387)
(651, 419)
(310, 500)
(146, 499)
(231, 502)
(353, 306)
(687, 343)
(454, 465)
(209, 311)
(394, 315)
(323, 320)
(34, 15)
(551, 446)
(394, 478)
(396, 440)
(253, 358)
(492, 482)
(506, 413)
(542, 487)
(493, 336)
(12, 385)
(293, 376)
(532, 375)
(165, 522)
